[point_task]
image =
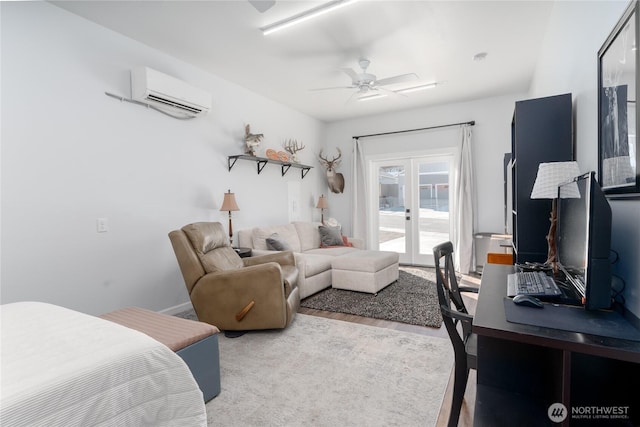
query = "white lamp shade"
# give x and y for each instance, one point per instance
(550, 176)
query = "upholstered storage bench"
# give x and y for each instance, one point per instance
(364, 271)
(195, 342)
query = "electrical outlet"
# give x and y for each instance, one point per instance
(102, 225)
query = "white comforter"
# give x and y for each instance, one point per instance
(59, 367)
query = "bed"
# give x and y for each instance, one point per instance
(59, 367)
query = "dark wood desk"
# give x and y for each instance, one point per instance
(524, 369)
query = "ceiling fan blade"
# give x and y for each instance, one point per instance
(390, 92)
(397, 79)
(351, 73)
(353, 98)
(331, 88)
(262, 5)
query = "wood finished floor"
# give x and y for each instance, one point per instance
(466, 413)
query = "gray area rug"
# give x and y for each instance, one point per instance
(413, 299)
(324, 372)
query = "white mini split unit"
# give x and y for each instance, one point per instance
(168, 93)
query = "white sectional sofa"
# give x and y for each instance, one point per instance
(315, 263)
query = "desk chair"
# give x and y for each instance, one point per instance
(465, 343)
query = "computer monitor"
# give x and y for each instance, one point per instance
(584, 239)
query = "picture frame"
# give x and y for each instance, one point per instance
(618, 88)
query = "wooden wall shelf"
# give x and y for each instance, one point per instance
(262, 161)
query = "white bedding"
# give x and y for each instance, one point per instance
(59, 367)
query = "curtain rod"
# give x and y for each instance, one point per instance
(471, 123)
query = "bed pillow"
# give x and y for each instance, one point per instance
(275, 243)
(330, 236)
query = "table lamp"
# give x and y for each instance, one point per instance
(229, 204)
(550, 175)
(322, 205)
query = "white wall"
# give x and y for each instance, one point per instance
(491, 139)
(70, 155)
(576, 32)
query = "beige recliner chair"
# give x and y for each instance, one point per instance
(233, 293)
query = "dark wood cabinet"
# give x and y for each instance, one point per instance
(541, 132)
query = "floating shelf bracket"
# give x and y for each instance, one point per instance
(262, 161)
(260, 164)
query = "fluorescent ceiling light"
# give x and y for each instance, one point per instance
(417, 88)
(370, 97)
(304, 16)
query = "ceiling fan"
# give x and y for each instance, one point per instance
(365, 82)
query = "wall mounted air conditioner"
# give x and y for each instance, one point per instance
(168, 93)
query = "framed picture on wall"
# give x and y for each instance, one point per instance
(618, 155)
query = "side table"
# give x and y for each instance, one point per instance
(243, 252)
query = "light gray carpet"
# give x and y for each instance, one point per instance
(413, 299)
(324, 372)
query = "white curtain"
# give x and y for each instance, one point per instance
(464, 195)
(359, 212)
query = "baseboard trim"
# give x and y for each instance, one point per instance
(177, 308)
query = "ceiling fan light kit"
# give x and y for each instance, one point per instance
(305, 16)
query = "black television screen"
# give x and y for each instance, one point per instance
(584, 239)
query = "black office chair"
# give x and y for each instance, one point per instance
(465, 343)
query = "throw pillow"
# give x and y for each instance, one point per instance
(330, 236)
(275, 243)
(347, 242)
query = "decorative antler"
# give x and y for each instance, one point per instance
(333, 162)
(291, 146)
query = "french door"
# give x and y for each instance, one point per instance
(411, 204)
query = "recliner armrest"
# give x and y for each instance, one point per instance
(282, 258)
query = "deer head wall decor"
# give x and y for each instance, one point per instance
(291, 147)
(334, 179)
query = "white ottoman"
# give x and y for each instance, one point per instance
(364, 271)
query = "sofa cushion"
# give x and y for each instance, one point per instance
(287, 233)
(275, 243)
(312, 264)
(308, 234)
(330, 236)
(331, 252)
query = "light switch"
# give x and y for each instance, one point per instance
(102, 225)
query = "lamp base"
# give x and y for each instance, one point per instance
(552, 252)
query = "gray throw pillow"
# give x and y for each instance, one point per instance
(330, 236)
(275, 243)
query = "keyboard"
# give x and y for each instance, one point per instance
(536, 283)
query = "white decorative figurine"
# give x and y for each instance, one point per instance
(251, 140)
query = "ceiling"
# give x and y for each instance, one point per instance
(436, 40)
